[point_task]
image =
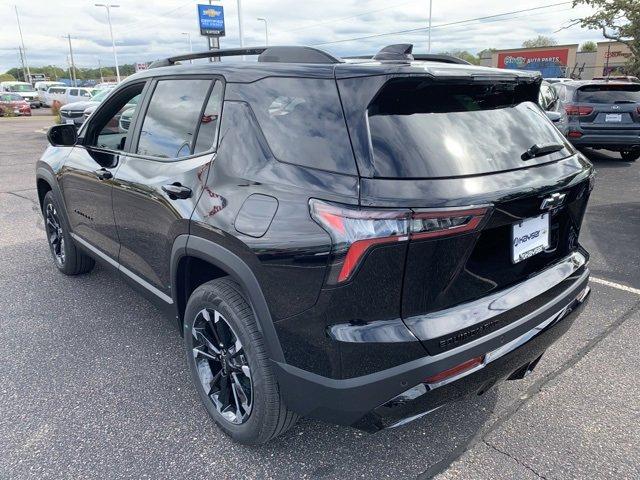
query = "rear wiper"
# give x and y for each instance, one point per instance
(538, 150)
(624, 101)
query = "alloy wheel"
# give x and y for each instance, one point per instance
(55, 233)
(221, 364)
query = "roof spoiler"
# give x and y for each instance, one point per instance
(282, 54)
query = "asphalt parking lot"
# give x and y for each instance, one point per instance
(93, 381)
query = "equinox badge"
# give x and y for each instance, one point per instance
(553, 201)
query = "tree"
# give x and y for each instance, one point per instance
(6, 77)
(487, 52)
(618, 20)
(463, 55)
(589, 47)
(539, 41)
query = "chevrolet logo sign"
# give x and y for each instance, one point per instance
(210, 12)
(553, 201)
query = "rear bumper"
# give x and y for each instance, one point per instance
(397, 395)
(604, 139)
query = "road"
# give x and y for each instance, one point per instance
(93, 381)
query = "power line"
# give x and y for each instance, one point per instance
(411, 30)
(340, 19)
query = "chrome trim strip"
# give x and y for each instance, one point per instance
(166, 298)
(444, 322)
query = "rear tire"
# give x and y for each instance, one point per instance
(630, 155)
(218, 317)
(66, 256)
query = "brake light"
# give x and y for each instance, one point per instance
(638, 110)
(574, 134)
(577, 110)
(354, 231)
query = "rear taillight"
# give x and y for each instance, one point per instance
(577, 110)
(574, 134)
(354, 231)
(638, 110)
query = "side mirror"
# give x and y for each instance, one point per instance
(62, 135)
(553, 116)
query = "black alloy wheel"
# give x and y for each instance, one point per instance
(55, 234)
(222, 366)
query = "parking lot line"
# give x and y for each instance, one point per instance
(619, 286)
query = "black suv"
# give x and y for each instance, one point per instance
(358, 241)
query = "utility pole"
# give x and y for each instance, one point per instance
(430, 11)
(108, 7)
(266, 31)
(24, 52)
(24, 73)
(74, 77)
(100, 68)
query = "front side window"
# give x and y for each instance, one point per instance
(172, 118)
(113, 127)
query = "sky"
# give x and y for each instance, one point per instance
(145, 30)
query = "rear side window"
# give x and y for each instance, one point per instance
(424, 129)
(302, 121)
(170, 124)
(609, 94)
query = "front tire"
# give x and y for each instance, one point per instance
(229, 365)
(66, 256)
(630, 155)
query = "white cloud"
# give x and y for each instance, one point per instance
(146, 31)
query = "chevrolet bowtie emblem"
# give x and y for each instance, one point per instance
(553, 201)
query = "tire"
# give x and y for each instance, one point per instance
(630, 155)
(66, 256)
(212, 308)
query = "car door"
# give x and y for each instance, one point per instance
(158, 184)
(86, 178)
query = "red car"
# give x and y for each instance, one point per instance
(13, 104)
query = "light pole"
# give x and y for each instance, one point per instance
(100, 68)
(430, 10)
(72, 68)
(190, 44)
(240, 24)
(266, 31)
(113, 43)
(24, 51)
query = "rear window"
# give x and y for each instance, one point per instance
(609, 94)
(422, 129)
(302, 121)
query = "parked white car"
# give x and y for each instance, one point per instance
(24, 89)
(42, 87)
(66, 95)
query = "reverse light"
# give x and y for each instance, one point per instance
(577, 110)
(354, 231)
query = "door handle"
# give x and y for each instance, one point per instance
(175, 191)
(103, 174)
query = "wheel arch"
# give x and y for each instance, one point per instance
(224, 262)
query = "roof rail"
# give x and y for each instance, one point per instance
(283, 54)
(396, 52)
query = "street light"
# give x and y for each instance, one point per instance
(266, 31)
(430, 10)
(72, 64)
(190, 44)
(113, 43)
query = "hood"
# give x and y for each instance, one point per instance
(79, 105)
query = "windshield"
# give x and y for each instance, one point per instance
(422, 129)
(609, 94)
(21, 88)
(10, 97)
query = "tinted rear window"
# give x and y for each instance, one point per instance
(302, 121)
(421, 129)
(609, 94)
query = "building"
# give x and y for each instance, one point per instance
(563, 60)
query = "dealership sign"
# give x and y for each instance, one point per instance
(211, 19)
(551, 63)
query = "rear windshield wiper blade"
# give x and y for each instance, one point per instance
(538, 150)
(624, 101)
